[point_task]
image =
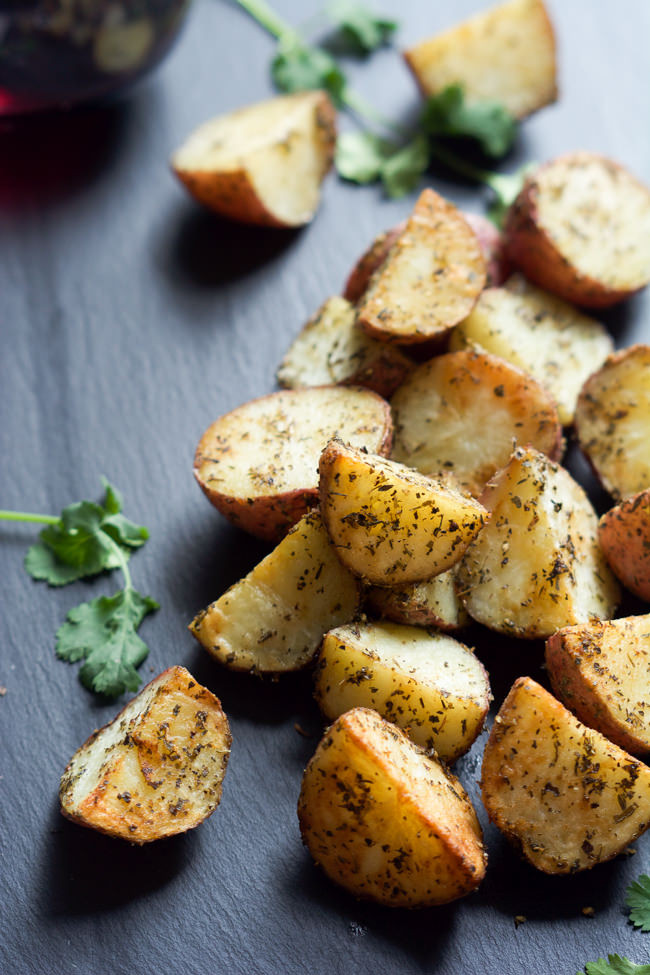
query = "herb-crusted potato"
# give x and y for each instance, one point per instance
(601, 672)
(428, 684)
(369, 262)
(389, 524)
(537, 564)
(564, 795)
(331, 348)
(385, 821)
(441, 411)
(624, 534)
(259, 463)
(506, 54)
(613, 421)
(581, 228)
(274, 618)
(263, 164)
(157, 769)
(430, 280)
(547, 338)
(434, 602)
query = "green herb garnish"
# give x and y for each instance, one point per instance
(363, 30)
(615, 965)
(487, 123)
(638, 900)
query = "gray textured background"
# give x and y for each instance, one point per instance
(130, 321)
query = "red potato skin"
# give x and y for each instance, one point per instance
(492, 244)
(530, 248)
(369, 261)
(386, 373)
(624, 535)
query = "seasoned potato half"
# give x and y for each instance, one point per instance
(431, 278)
(263, 164)
(613, 421)
(430, 685)
(537, 564)
(601, 671)
(273, 619)
(389, 524)
(370, 260)
(385, 821)
(464, 412)
(332, 348)
(624, 534)
(564, 795)
(506, 54)
(581, 228)
(558, 345)
(259, 464)
(431, 603)
(492, 244)
(157, 769)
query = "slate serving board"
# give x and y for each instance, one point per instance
(129, 321)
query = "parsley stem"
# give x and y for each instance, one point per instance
(26, 516)
(124, 564)
(260, 11)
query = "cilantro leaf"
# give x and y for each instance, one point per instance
(103, 632)
(361, 28)
(298, 67)
(638, 900)
(363, 158)
(615, 965)
(402, 171)
(488, 122)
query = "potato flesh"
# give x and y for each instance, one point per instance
(539, 333)
(537, 565)
(273, 620)
(391, 525)
(434, 602)
(428, 684)
(431, 278)
(624, 534)
(601, 672)
(157, 769)
(506, 54)
(441, 409)
(613, 421)
(566, 796)
(386, 822)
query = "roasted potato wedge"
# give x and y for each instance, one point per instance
(564, 795)
(389, 524)
(547, 338)
(506, 54)
(430, 279)
(613, 421)
(428, 684)
(465, 411)
(624, 534)
(273, 619)
(601, 672)
(431, 603)
(331, 348)
(385, 821)
(580, 228)
(263, 164)
(157, 769)
(259, 463)
(537, 564)
(371, 259)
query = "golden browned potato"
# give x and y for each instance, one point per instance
(157, 769)
(613, 421)
(565, 796)
(430, 280)
(389, 524)
(463, 413)
(263, 164)
(547, 338)
(601, 671)
(369, 262)
(624, 534)
(504, 54)
(259, 463)
(273, 619)
(580, 228)
(331, 348)
(537, 564)
(428, 684)
(384, 820)
(434, 602)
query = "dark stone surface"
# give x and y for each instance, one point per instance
(130, 320)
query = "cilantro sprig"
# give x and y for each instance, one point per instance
(86, 539)
(615, 965)
(638, 900)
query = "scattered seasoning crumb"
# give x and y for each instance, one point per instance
(589, 911)
(629, 852)
(356, 929)
(520, 919)
(3, 690)
(301, 731)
